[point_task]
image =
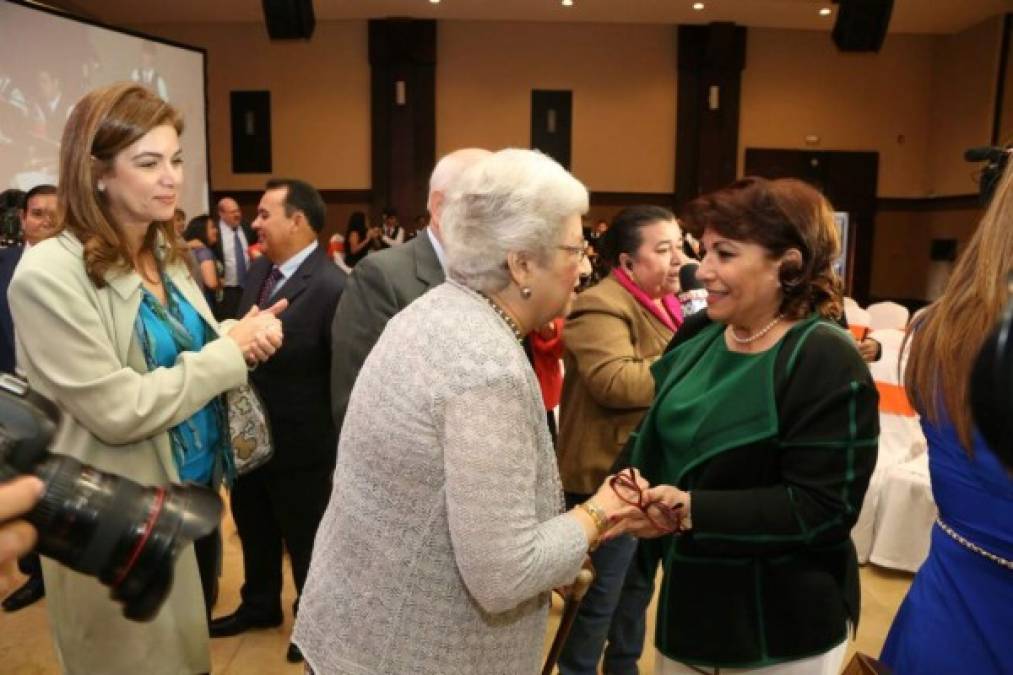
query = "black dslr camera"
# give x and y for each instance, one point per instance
(992, 385)
(106, 526)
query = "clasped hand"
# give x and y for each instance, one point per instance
(636, 508)
(259, 333)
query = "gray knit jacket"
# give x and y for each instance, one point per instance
(444, 533)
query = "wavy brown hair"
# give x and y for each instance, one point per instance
(102, 124)
(946, 338)
(780, 215)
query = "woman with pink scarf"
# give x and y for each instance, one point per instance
(615, 331)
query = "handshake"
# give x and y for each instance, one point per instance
(629, 505)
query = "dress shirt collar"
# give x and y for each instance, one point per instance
(289, 267)
(440, 254)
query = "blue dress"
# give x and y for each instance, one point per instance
(958, 614)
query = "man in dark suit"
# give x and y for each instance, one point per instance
(384, 283)
(38, 222)
(234, 240)
(282, 502)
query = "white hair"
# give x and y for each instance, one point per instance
(513, 201)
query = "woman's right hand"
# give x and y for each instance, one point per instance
(259, 334)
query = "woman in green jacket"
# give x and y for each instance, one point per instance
(762, 437)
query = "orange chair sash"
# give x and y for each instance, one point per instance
(893, 400)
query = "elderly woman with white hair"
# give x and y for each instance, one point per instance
(445, 532)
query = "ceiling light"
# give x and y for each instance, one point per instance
(435, 2)
(698, 6)
(825, 11)
(567, 3)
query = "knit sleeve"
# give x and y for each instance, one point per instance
(504, 553)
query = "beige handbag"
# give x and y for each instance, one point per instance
(249, 429)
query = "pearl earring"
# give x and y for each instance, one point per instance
(526, 293)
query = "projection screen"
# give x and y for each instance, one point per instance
(48, 60)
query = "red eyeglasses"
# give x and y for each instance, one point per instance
(664, 517)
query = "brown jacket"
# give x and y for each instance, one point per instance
(611, 341)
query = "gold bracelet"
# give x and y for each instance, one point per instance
(601, 521)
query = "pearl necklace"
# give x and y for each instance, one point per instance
(506, 318)
(757, 335)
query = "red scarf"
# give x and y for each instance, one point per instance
(672, 317)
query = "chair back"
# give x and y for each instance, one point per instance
(888, 315)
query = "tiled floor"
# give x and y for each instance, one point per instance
(26, 649)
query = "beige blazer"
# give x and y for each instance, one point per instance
(77, 346)
(610, 341)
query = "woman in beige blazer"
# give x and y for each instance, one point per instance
(615, 331)
(75, 300)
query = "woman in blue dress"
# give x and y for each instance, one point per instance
(958, 614)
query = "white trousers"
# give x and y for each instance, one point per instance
(827, 663)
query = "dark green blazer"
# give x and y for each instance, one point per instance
(768, 573)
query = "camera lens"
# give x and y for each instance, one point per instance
(125, 534)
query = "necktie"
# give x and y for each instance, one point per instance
(237, 245)
(269, 283)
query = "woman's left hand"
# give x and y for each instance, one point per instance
(266, 342)
(259, 333)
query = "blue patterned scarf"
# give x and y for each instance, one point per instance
(172, 318)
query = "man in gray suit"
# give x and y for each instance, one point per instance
(384, 283)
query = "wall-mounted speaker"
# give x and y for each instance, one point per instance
(251, 131)
(861, 24)
(289, 19)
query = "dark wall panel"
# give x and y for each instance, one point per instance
(552, 123)
(251, 131)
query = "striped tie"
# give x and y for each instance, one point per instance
(269, 283)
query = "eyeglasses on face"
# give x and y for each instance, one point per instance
(581, 250)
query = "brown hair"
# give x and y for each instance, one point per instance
(102, 124)
(780, 215)
(946, 338)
